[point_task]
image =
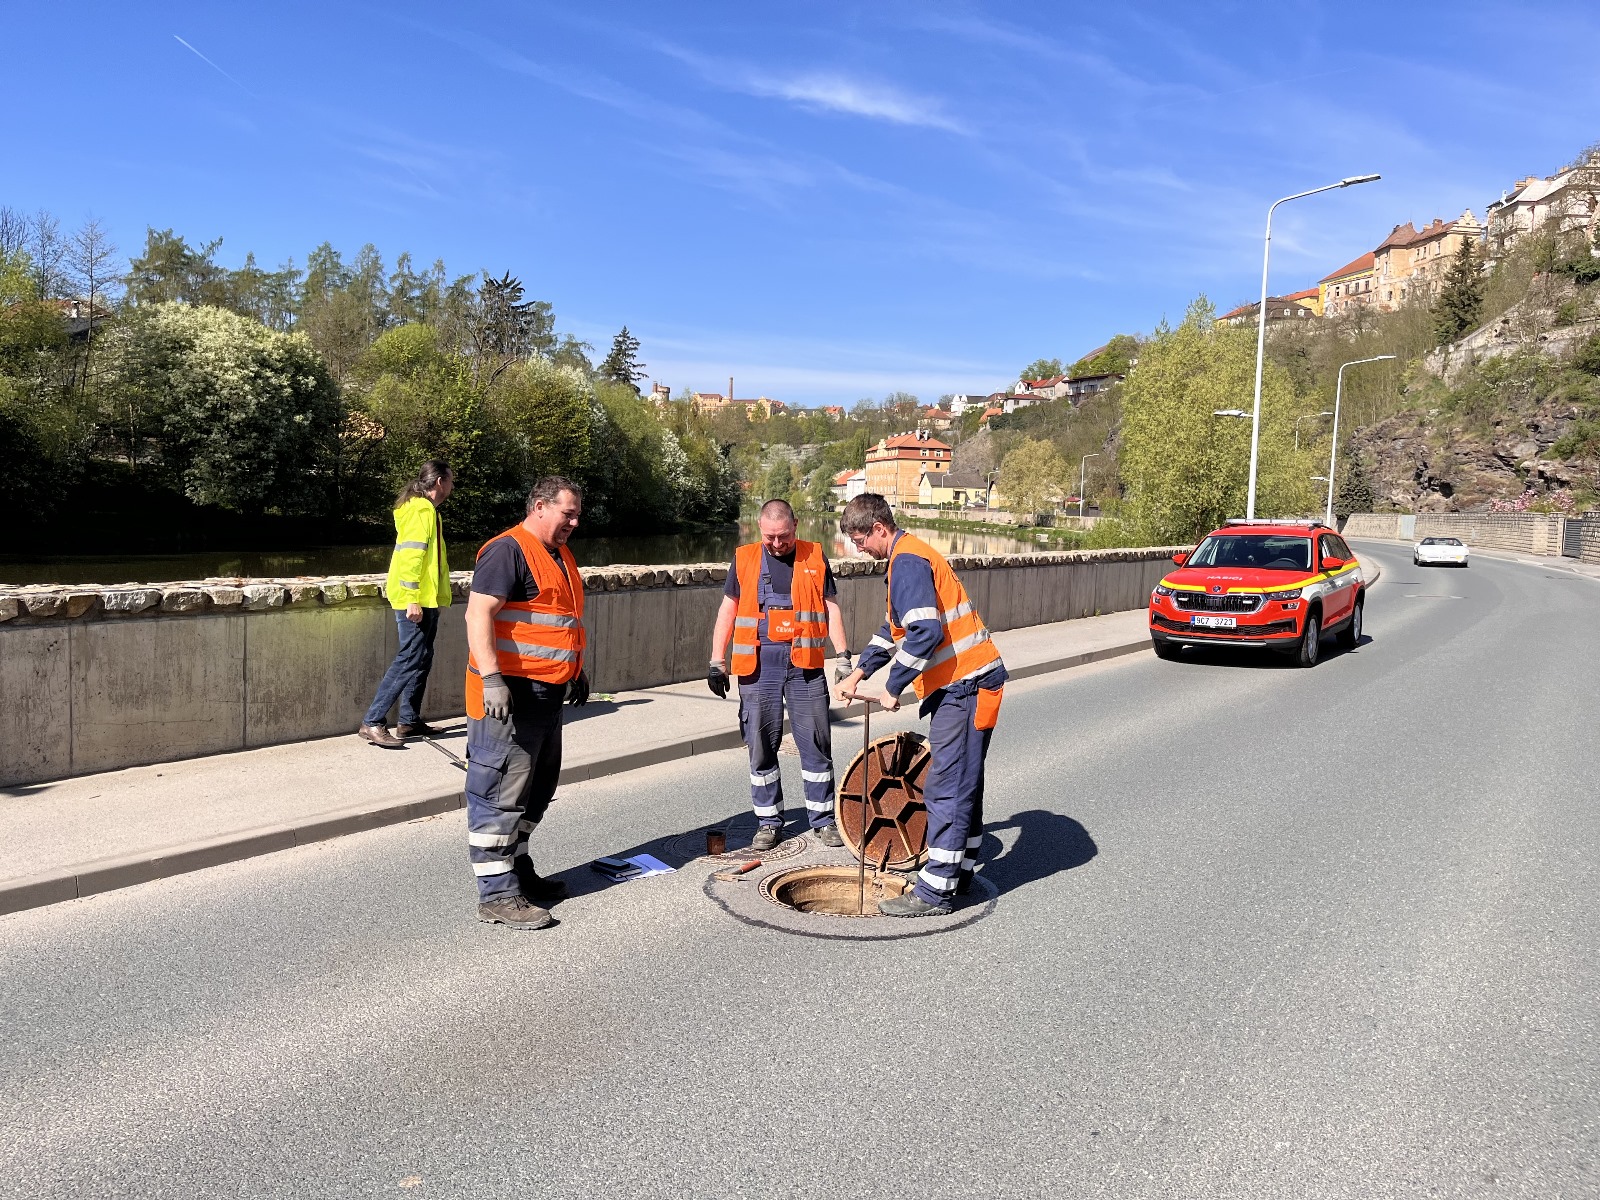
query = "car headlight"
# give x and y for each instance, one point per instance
(1291, 594)
(1162, 589)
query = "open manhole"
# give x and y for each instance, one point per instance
(833, 891)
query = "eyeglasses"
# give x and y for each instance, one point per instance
(858, 539)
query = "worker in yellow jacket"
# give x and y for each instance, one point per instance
(418, 587)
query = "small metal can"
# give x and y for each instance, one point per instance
(716, 842)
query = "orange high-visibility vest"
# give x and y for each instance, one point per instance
(810, 616)
(966, 650)
(542, 638)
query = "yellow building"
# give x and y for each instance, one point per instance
(1348, 288)
(895, 465)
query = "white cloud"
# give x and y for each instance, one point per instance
(854, 97)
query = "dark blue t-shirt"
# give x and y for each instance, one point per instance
(779, 573)
(502, 570)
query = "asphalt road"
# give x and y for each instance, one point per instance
(1262, 932)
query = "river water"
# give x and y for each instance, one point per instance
(705, 546)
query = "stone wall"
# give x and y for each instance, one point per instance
(1526, 533)
(98, 678)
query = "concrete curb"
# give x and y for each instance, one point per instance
(109, 874)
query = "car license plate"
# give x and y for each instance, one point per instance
(1214, 622)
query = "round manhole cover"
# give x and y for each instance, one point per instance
(880, 811)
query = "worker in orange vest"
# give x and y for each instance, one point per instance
(945, 654)
(525, 643)
(780, 609)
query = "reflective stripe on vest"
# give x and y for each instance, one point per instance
(542, 638)
(808, 649)
(966, 650)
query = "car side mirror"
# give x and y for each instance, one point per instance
(1332, 564)
(1180, 557)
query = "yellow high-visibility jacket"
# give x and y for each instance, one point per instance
(419, 572)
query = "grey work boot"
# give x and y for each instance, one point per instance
(766, 837)
(828, 835)
(911, 905)
(379, 735)
(515, 912)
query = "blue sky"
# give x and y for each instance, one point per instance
(825, 201)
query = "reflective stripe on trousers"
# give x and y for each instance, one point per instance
(953, 792)
(512, 768)
(779, 683)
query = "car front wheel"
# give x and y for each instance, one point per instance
(1350, 635)
(1165, 649)
(1310, 647)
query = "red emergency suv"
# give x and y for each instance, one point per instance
(1283, 585)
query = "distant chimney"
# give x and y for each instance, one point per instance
(730, 389)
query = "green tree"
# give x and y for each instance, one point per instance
(1032, 477)
(622, 365)
(243, 417)
(1460, 300)
(1115, 359)
(171, 271)
(1184, 470)
(1355, 493)
(1042, 368)
(541, 415)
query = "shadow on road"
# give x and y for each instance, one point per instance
(600, 708)
(1046, 844)
(1252, 659)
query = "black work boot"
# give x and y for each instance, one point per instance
(911, 905)
(828, 835)
(766, 837)
(514, 912)
(539, 889)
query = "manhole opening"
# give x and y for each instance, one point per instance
(833, 891)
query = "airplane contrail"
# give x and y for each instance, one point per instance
(216, 68)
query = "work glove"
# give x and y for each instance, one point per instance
(578, 690)
(717, 681)
(842, 667)
(496, 697)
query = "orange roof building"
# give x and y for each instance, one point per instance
(896, 464)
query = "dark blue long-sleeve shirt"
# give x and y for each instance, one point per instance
(914, 603)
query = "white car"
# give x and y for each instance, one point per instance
(1439, 550)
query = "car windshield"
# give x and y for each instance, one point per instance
(1255, 551)
(1441, 541)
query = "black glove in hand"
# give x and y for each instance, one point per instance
(496, 697)
(717, 681)
(578, 690)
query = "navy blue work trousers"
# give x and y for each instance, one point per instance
(512, 769)
(953, 792)
(407, 675)
(777, 684)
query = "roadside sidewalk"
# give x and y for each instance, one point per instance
(96, 833)
(151, 822)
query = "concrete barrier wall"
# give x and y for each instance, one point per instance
(94, 679)
(1527, 533)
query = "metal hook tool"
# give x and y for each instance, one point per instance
(866, 778)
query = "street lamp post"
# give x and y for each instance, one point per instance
(1261, 326)
(1333, 450)
(1083, 479)
(1306, 417)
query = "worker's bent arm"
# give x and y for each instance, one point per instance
(723, 630)
(836, 634)
(877, 653)
(481, 610)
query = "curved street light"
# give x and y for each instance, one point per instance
(1333, 450)
(1261, 325)
(1306, 417)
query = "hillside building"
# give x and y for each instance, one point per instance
(1567, 202)
(895, 466)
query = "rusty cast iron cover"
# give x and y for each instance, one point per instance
(890, 772)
